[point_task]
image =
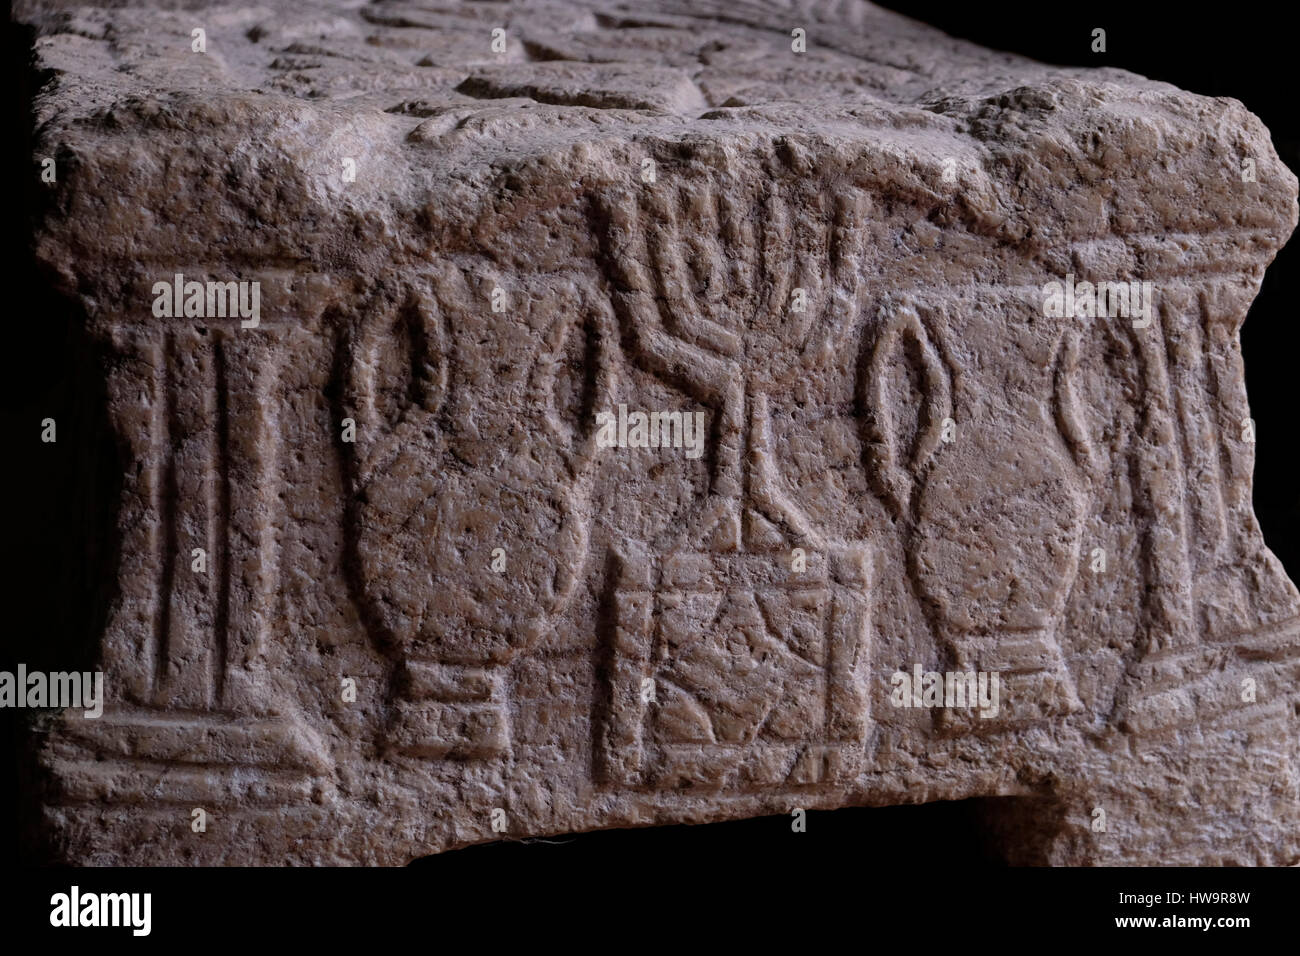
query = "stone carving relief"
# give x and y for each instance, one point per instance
(434, 591)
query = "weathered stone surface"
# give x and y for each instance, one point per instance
(840, 259)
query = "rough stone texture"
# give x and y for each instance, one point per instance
(919, 190)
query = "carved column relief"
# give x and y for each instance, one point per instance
(197, 420)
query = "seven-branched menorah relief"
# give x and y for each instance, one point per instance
(741, 642)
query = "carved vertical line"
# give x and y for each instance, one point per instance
(1213, 403)
(621, 747)
(1190, 378)
(1167, 527)
(830, 658)
(268, 480)
(250, 363)
(135, 384)
(850, 593)
(1221, 314)
(221, 527)
(184, 674)
(166, 509)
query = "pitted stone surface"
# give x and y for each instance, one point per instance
(455, 592)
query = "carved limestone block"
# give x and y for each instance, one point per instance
(595, 414)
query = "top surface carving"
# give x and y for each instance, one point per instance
(435, 121)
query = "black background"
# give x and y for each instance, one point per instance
(1241, 50)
